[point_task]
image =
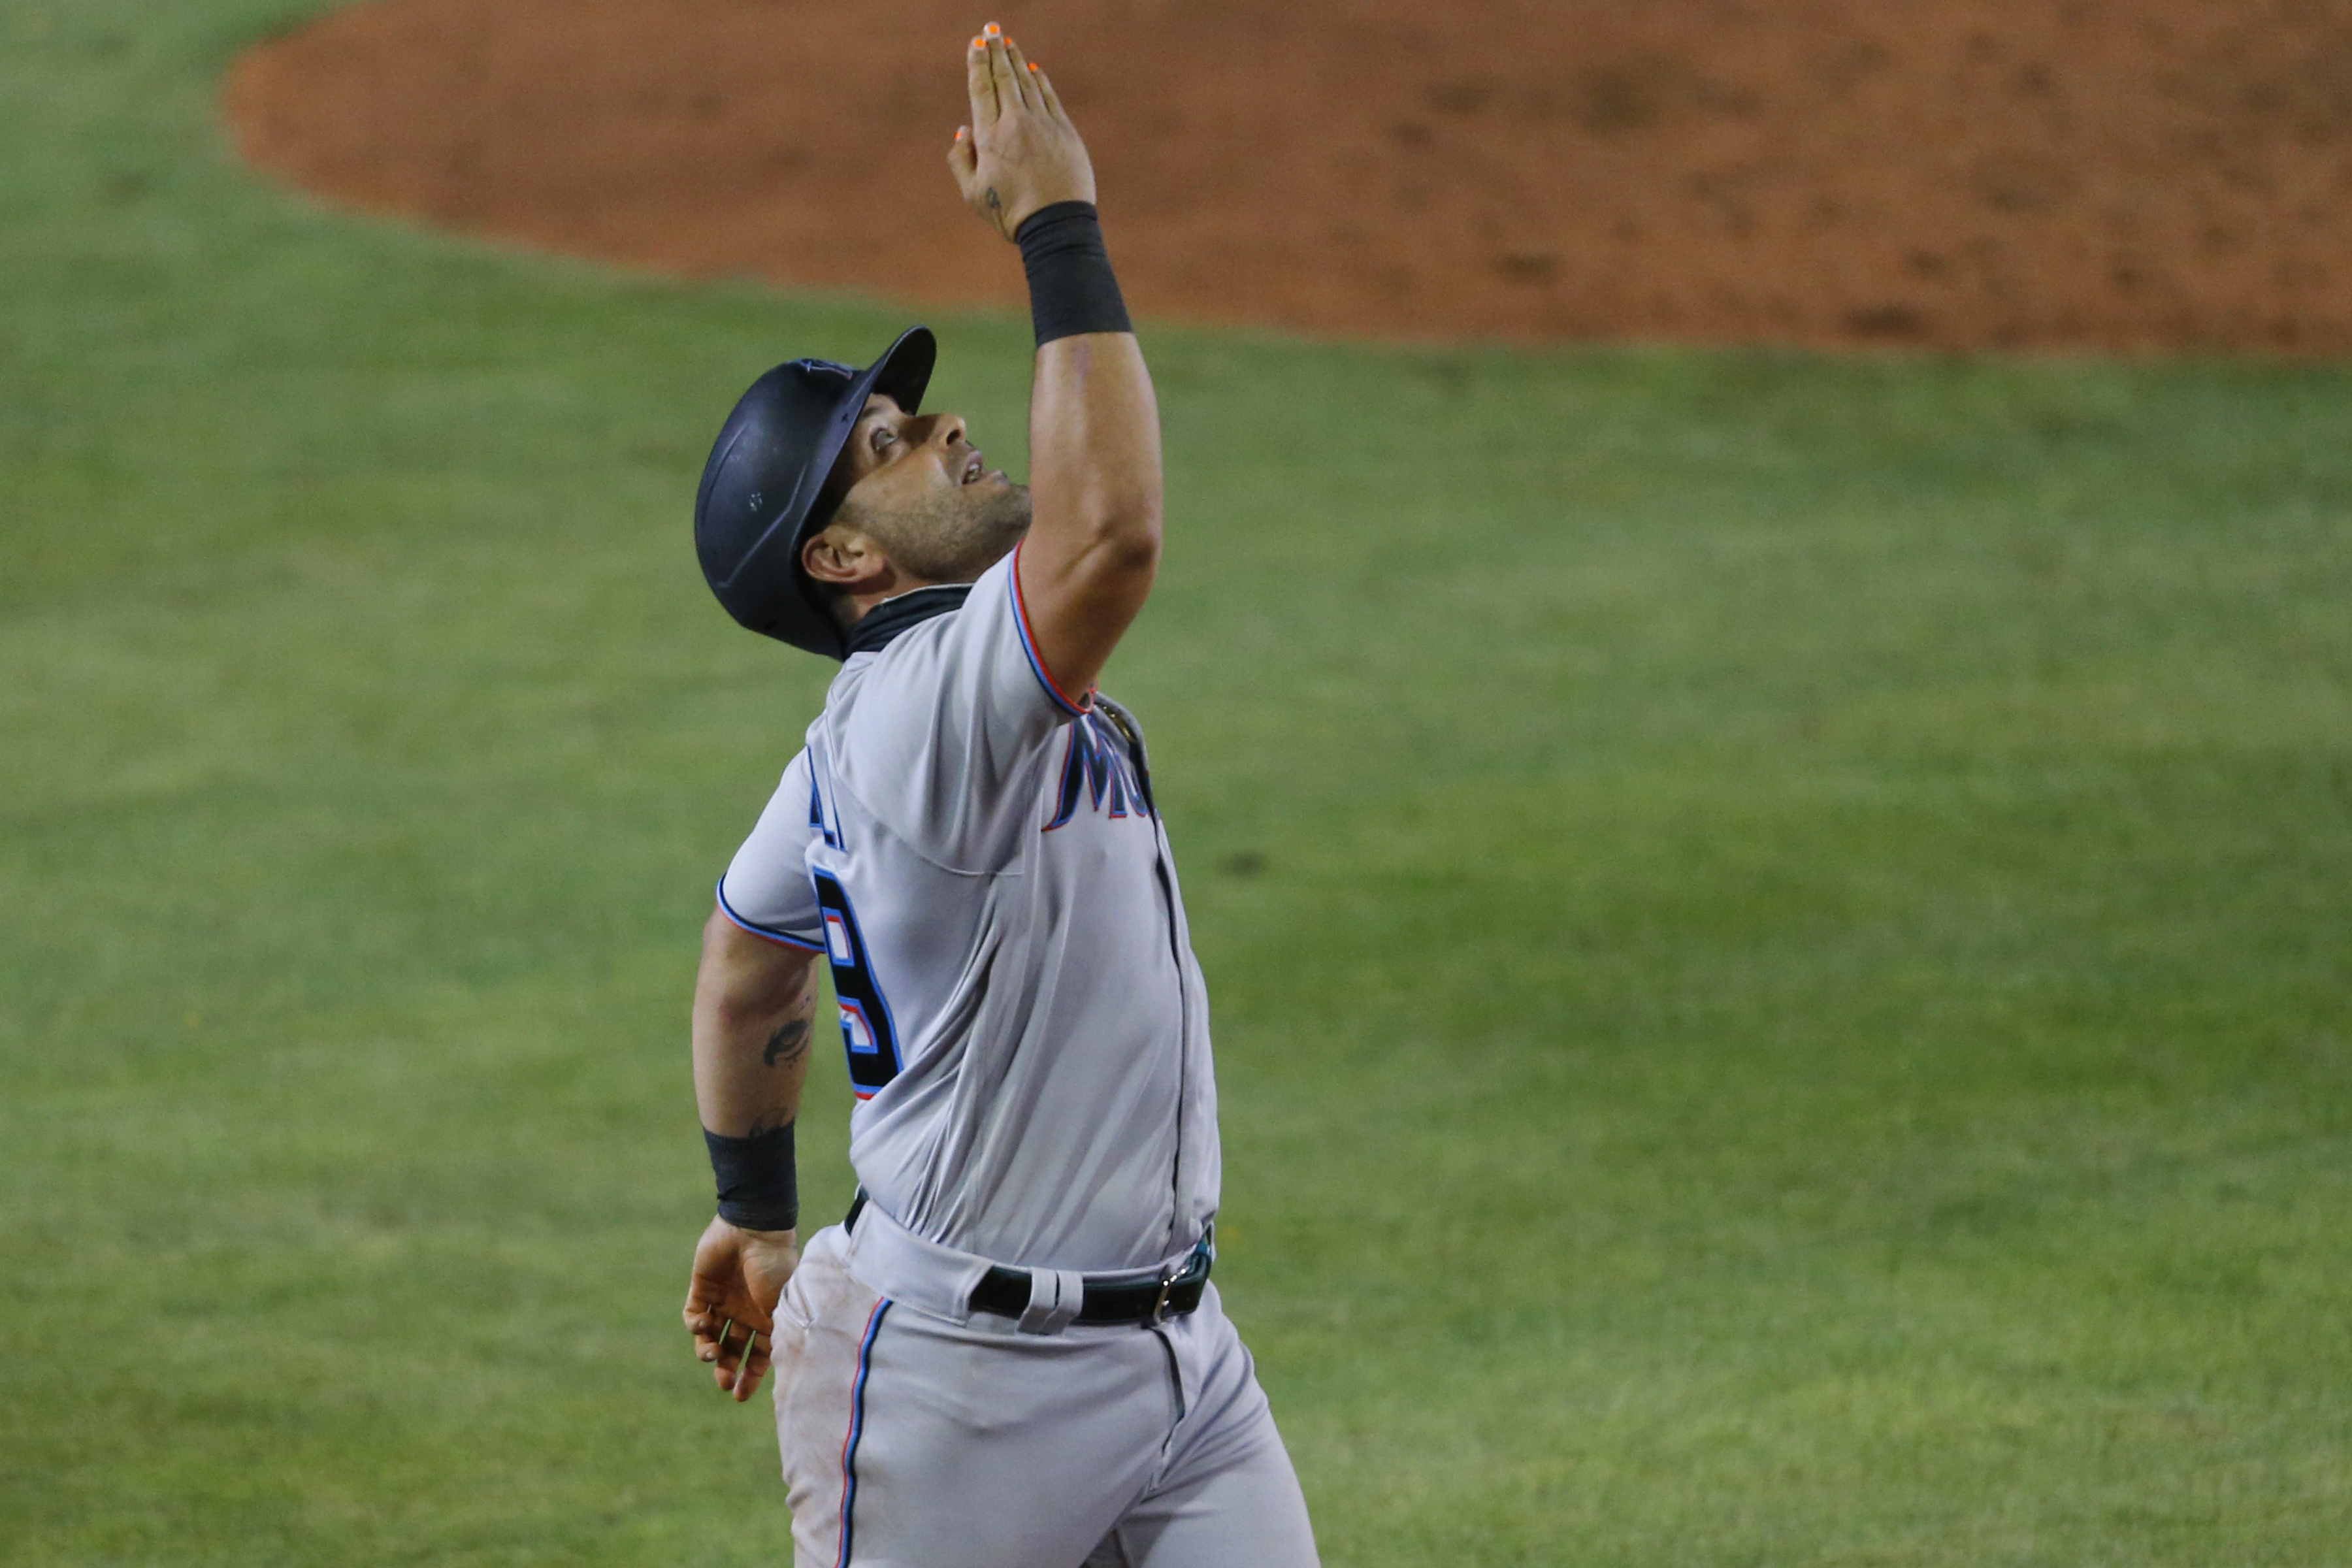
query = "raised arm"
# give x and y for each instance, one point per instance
(753, 1002)
(1094, 427)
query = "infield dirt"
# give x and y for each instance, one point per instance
(1953, 173)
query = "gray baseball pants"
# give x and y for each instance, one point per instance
(912, 1441)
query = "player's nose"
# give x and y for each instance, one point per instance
(948, 429)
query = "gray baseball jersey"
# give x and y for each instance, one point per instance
(978, 858)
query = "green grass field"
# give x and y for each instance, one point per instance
(1781, 928)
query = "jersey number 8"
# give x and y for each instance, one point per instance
(865, 1027)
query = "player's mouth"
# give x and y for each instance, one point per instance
(974, 469)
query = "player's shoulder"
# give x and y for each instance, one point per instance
(912, 672)
(939, 732)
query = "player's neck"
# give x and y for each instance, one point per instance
(897, 587)
(883, 622)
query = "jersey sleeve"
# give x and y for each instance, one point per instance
(766, 890)
(955, 715)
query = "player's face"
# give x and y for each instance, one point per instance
(925, 493)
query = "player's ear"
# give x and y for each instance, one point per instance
(842, 556)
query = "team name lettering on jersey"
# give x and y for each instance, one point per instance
(1095, 763)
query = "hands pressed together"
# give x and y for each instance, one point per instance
(1020, 152)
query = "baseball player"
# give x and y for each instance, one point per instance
(1010, 1354)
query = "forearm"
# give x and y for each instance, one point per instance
(754, 1004)
(747, 1070)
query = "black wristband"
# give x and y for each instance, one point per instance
(759, 1188)
(1071, 287)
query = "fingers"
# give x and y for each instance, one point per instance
(738, 1359)
(980, 81)
(1023, 78)
(1001, 78)
(724, 1349)
(964, 159)
(753, 1368)
(1050, 100)
(702, 1305)
(710, 1328)
(1009, 93)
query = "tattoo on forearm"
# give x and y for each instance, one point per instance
(768, 1122)
(995, 206)
(788, 1044)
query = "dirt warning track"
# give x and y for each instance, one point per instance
(1955, 174)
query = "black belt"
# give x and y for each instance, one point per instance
(1005, 1292)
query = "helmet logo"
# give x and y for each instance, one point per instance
(754, 504)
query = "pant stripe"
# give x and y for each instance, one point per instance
(856, 1426)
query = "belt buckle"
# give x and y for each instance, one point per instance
(1160, 1307)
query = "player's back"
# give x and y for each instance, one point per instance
(980, 858)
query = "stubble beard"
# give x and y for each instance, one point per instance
(951, 537)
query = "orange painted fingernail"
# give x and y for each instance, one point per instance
(1033, 65)
(991, 29)
(959, 132)
(980, 43)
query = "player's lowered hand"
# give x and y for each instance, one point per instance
(1020, 152)
(730, 1301)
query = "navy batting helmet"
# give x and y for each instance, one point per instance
(760, 490)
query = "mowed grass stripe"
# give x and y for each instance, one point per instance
(1776, 925)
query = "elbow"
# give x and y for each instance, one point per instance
(1126, 539)
(745, 977)
(1133, 554)
(752, 998)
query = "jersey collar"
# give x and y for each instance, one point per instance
(880, 626)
